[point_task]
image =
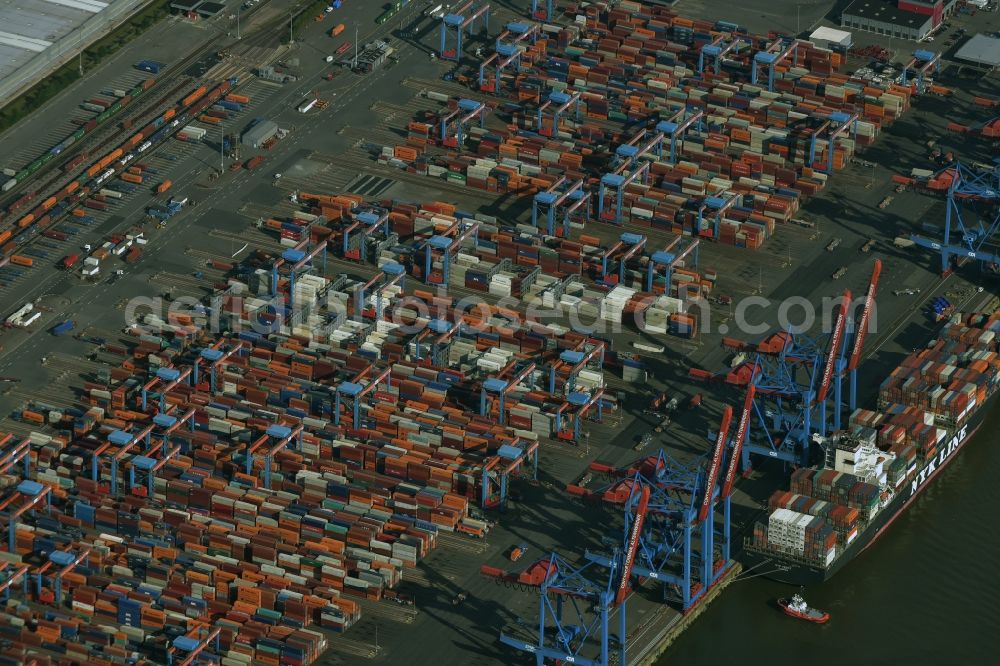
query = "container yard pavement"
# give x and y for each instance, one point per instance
(791, 264)
(168, 42)
(761, 16)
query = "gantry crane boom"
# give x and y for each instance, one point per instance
(741, 434)
(712, 475)
(836, 337)
(861, 330)
(624, 585)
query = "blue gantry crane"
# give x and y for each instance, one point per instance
(587, 350)
(390, 275)
(668, 259)
(971, 220)
(677, 126)
(508, 51)
(453, 124)
(119, 443)
(792, 375)
(354, 393)
(142, 469)
(921, 66)
(776, 52)
(441, 333)
(49, 583)
(837, 124)
(26, 498)
(668, 510)
(448, 244)
(302, 262)
(716, 51)
(459, 20)
(168, 379)
(632, 244)
(192, 644)
(575, 607)
(506, 55)
(509, 460)
(518, 31)
(578, 404)
(558, 103)
(563, 200)
(215, 357)
(634, 149)
(628, 163)
(718, 205)
(274, 440)
(366, 221)
(612, 188)
(500, 386)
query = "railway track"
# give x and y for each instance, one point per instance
(260, 37)
(106, 134)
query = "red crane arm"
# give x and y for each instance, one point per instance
(633, 546)
(741, 434)
(861, 330)
(716, 464)
(835, 339)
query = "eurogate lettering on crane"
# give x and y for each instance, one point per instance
(936, 462)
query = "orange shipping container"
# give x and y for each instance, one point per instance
(193, 97)
(163, 187)
(131, 178)
(21, 261)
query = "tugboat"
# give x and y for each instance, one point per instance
(797, 607)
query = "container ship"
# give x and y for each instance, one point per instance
(928, 409)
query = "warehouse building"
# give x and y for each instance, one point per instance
(898, 19)
(831, 38)
(40, 37)
(981, 50)
(259, 133)
(186, 6)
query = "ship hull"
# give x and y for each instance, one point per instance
(799, 572)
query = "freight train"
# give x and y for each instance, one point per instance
(89, 126)
(107, 166)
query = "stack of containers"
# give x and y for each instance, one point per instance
(278, 542)
(916, 416)
(631, 65)
(786, 531)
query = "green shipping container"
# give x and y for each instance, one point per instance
(336, 529)
(79, 133)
